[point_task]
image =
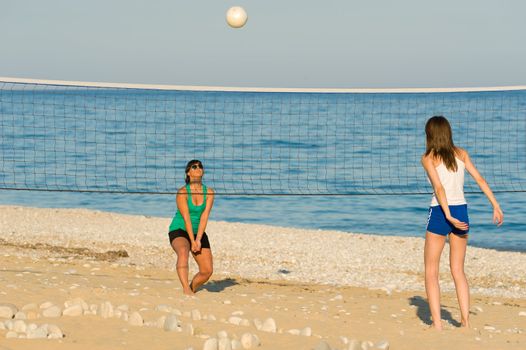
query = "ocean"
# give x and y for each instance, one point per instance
(346, 162)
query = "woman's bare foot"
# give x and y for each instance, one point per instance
(464, 324)
(437, 326)
(190, 290)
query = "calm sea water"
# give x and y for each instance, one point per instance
(364, 146)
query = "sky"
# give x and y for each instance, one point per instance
(286, 43)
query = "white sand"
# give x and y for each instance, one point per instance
(300, 278)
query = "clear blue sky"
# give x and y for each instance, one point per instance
(286, 43)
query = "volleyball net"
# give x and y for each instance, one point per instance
(60, 136)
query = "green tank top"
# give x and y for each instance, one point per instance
(195, 213)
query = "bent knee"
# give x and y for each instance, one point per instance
(207, 272)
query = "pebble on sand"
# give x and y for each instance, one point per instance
(222, 334)
(19, 326)
(20, 315)
(54, 332)
(249, 341)
(77, 301)
(382, 345)
(189, 329)
(163, 308)
(210, 344)
(31, 306)
(269, 325)
(258, 324)
(196, 315)
(224, 344)
(322, 345)
(106, 310)
(236, 344)
(8, 310)
(135, 319)
(73, 310)
(171, 323)
(39, 333)
(307, 332)
(46, 305)
(355, 345)
(294, 331)
(235, 320)
(11, 334)
(52, 311)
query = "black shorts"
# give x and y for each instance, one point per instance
(182, 233)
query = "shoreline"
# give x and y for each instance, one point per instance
(508, 237)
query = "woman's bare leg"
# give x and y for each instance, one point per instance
(457, 254)
(205, 263)
(432, 251)
(182, 248)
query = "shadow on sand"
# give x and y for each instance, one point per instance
(219, 286)
(423, 313)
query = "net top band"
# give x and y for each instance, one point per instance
(253, 89)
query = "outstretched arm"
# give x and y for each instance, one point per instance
(498, 215)
(440, 193)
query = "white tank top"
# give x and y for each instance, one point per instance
(453, 183)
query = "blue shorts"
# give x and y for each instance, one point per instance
(437, 223)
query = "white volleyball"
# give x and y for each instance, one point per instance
(236, 17)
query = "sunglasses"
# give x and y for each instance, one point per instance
(195, 166)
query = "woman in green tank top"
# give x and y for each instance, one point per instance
(187, 230)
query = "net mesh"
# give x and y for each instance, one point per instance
(57, 137)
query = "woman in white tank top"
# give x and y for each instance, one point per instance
(445, 164)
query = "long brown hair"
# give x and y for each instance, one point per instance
(439, 141)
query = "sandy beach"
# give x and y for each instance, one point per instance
(108, 281)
